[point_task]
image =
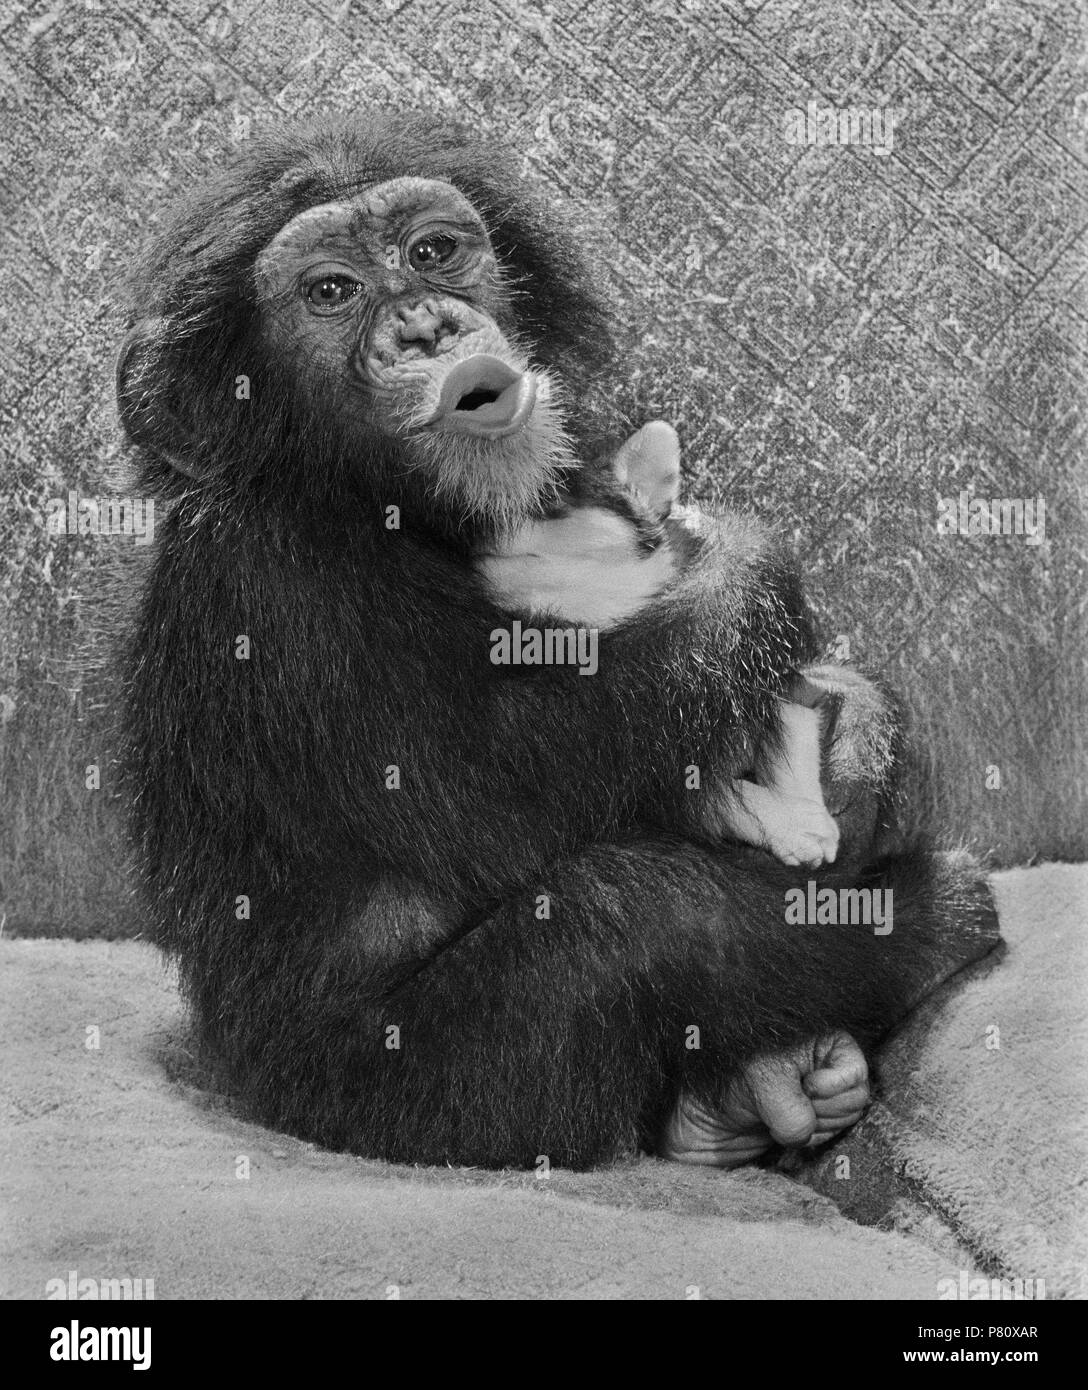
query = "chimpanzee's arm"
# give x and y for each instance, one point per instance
(508, 769)
(306, 679)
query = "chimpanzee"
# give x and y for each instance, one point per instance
(426, 906)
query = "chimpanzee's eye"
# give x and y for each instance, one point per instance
(431, 251)
(331, 291)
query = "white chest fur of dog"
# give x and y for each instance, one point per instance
(586, 566)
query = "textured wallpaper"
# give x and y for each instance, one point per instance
(845, 241)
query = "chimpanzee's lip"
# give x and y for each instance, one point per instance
(484, 395)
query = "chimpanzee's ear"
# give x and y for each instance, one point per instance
(149, 417)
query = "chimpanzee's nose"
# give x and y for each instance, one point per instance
(420, 323)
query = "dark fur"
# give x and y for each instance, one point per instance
(415, 907)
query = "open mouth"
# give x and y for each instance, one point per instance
(483, 395)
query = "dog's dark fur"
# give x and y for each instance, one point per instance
(416, 907)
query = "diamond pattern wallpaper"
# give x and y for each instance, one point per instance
(846, 246)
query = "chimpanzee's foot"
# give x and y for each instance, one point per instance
(801, 1096)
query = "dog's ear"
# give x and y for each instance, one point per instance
(149, 417)
(648, 465)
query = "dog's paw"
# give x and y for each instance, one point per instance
(803, 834)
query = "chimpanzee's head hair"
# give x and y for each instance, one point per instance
(233, 378)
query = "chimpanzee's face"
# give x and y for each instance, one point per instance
(393, 305)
